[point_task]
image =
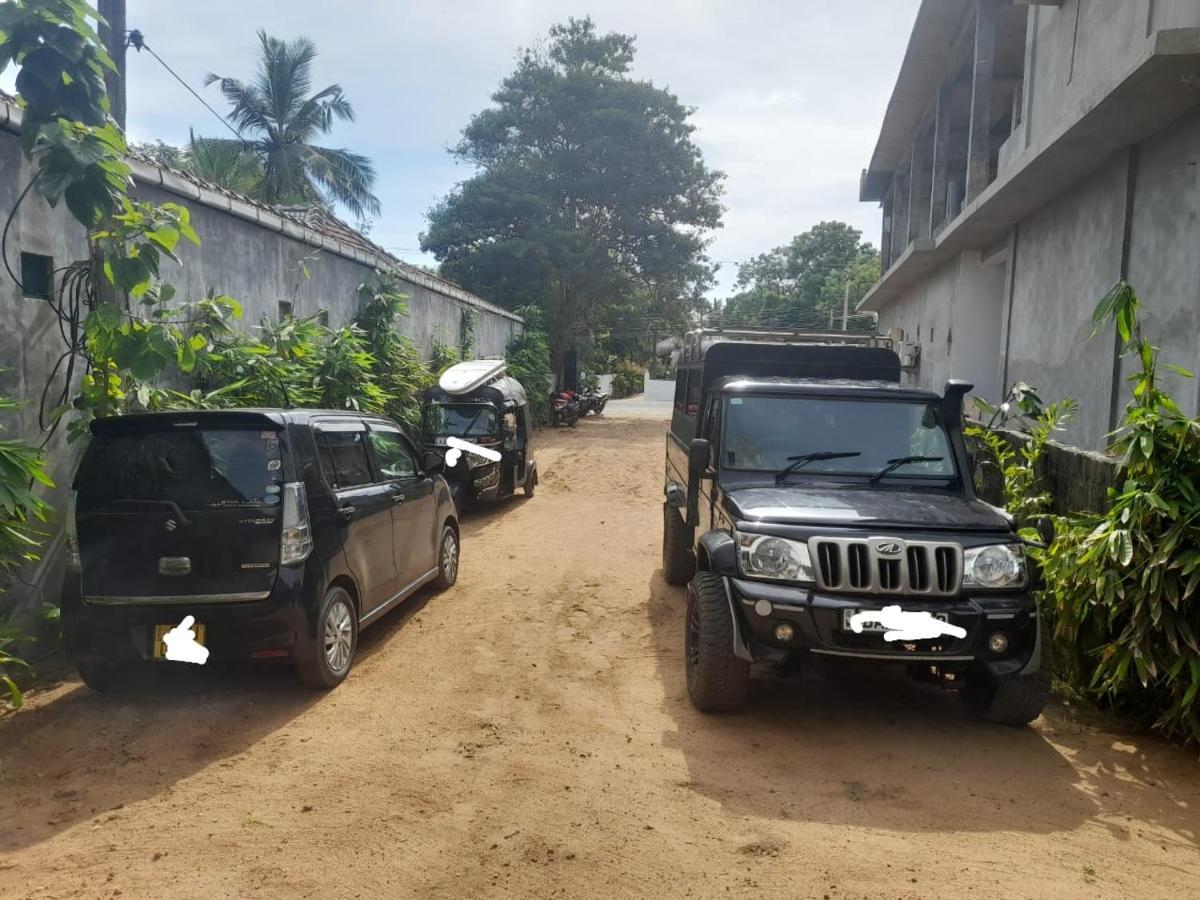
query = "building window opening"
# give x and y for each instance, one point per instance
(37, 276)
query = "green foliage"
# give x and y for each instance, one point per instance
(279, 120)
(801, 283)
(398, 368)
(1018, 460)
(528, 359)
(628, 379)
(21, 515)
(589, 381)
(1126, 581)
(590, 194)
(444, 356)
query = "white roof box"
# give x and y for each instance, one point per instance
(466, 377)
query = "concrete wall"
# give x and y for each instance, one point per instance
(1175, 14)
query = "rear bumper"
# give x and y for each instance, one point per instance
(817, 622)
(235, 629)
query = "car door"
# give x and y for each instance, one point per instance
(364, 507)
(414, 507)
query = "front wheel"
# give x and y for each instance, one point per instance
(717, 680)
(336, 641)
(97, 674)
(447, 560)
(1008, 699)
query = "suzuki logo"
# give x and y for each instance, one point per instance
(171, 525)
(887, 548)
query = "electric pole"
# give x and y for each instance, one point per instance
(112, 35)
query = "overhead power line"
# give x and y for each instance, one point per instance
(138, 41)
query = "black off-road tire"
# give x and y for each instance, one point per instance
(97, 674)
(530, 482)
(318, 671)
(1014, 700)
(449, 550)
(716, 679)
(679, 560)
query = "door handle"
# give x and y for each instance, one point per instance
(346, 513)
(397, 498)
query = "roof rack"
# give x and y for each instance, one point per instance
(695, 342)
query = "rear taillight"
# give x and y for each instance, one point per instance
(72, 534)
(295, 541)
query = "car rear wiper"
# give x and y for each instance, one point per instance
(799, 462)
(894, 464)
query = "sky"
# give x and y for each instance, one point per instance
(788, 94)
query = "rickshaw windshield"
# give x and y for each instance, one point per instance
(458, 420)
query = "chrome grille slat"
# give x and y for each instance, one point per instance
(927, 568)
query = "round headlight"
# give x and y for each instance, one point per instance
(764, 556)
(994, 567)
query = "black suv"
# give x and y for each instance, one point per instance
(281, 532)
(807, 492)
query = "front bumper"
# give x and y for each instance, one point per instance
(234, 630)
(816, 619)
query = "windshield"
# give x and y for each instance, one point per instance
(459, 420)
(196, 468)
(767, 433)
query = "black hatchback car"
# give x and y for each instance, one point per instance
(282, 533)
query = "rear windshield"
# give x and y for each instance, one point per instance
(196, 468)
(459, 420)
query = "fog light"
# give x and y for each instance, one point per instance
(784, 632)
(998, 642)
(763, 608)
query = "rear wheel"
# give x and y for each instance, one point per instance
(679, 560)
(97, 674)
(447, 560)
(530, 482)
(336, 643)
(716, 679)
(1008, 699)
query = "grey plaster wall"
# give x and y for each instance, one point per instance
(1175, 14)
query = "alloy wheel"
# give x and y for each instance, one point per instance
(450, 557)
(339, 635)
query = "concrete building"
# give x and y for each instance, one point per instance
(1033, 153)
(250, 251)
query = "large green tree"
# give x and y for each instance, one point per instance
(280, 121)
(220, 162)
(800, 283)
(590, 192)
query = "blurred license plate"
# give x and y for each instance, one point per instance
(439, 442)
(160, 649)
(875, 627)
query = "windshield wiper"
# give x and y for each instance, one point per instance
(894, 464)
(798, 462)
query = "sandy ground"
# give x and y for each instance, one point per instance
(529, 734)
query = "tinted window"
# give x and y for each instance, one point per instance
(344, 458)
(391, 454)
(681, 379)
(693, 393)
(761, 433)
(193, 467)
(459, 420)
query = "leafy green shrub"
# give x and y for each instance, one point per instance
(398, 369)
(662, 369)
(21, 511)
(444, 356)
(1126, 581)
(628, 379)
(528, 359)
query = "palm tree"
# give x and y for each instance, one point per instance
(223, 163)
(278, 122)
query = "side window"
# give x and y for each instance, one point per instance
(681, 380)
(693, 393)
(712, 427)
(344, 458)
(392, 454)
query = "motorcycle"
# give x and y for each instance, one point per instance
(564, 409)
(592, 402)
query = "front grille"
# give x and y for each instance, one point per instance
(883, 565)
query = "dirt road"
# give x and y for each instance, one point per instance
(529, 734)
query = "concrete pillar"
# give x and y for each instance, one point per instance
(900, 213)
(920, 188)
(941, 158)
(979, 147)
(885, 244)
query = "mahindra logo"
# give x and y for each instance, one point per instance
(171, 525)
(887, 548)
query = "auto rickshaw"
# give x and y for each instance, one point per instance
(478, 403)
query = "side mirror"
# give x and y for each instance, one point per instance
(433, 463)
(699, 456)
(1045, 528)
